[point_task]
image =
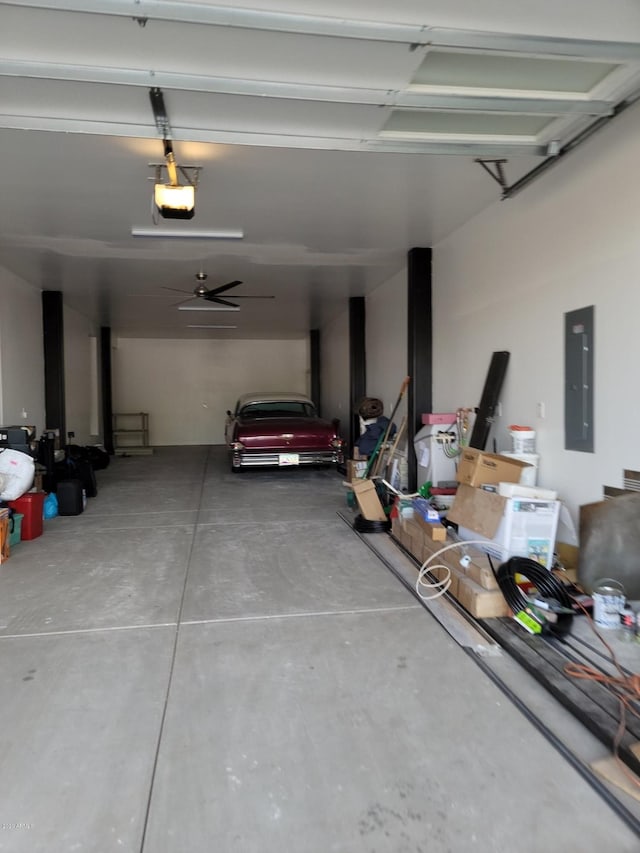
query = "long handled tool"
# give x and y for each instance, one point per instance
(396, 442)
(373, 459)
(403, 391)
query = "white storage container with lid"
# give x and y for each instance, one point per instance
(523, 439)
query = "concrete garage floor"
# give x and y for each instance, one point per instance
(209, 661)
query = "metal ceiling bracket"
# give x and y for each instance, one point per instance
(498, 175)
(159, 112)
(191, 174)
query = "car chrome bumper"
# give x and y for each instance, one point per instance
(260, 460)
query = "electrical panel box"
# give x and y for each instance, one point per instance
(578, 388)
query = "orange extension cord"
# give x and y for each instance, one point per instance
(626, 689)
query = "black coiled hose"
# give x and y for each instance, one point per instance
(548, 586)
(363, 525)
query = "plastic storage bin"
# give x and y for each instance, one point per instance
(31, 505)
(15, 525)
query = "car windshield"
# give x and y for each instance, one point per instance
(277, 409)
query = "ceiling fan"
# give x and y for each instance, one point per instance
(201, 291)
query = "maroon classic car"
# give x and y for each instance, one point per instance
(280, 429)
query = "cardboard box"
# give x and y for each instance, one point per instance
(478, 510)
(415, 539)
(481, 603)
(403, 507)
(356, 469)
(476, 467)
(399, 531)
(368, 500)
(480, 572)
(433, 530)
(509, 526)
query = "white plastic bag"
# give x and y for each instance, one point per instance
(17, 471)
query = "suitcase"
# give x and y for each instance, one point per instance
(78, 469)
(70, 497)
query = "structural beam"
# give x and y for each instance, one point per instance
(53, 343)
(315, 364)
(357, 363)
(143, 11)
(105, 385)
(535, 104)
(419, 350)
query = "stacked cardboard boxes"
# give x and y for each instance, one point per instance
(473, 583)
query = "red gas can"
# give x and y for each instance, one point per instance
(31, 505)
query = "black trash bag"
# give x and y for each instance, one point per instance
(368, 441)
(97, 456)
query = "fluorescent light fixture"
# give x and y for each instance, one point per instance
(208, 307)
(190, 326)
(210, 234)
(175, 201)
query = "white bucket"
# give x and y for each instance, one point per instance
(529, 476)
(524, 440)
(608, 600)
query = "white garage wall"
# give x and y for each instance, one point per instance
(386, 342)
(504, 282)
(21, 353)
(187, 386)
(80, 377)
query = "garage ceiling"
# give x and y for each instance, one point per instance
(333, 135)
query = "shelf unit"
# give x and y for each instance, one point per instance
(131, 433)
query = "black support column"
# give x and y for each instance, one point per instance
(419, 350)
(105, 385)
(53, 341)
(314, 359)
(357, 363)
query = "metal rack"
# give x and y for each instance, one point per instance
(131, 433)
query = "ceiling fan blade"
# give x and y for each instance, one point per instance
(220, 301)
(182, 301)
(175, 289)
(223, 287)
(237, 296)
